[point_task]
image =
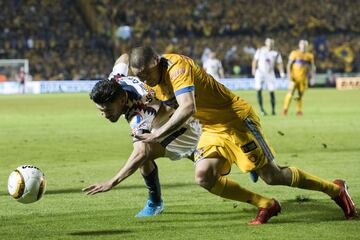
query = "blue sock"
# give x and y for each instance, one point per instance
(153, 185)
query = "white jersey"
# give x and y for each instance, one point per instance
(266, 60)
(145, 113)
(212, 66)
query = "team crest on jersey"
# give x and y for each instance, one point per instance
(135, 121)
(199, 154)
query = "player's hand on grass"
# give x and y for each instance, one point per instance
(97, 188)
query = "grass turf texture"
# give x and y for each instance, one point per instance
(64, 135)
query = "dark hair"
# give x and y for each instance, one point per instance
(141, 57)
(106, 91)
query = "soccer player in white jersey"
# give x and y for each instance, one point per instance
(263, 68)
(127, 96)
(214, 67)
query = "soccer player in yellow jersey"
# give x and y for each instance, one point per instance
(301, 69)
(231, 133)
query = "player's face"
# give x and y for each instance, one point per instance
(150, 74)
(112, 110)
(303, 45)
(269, 43)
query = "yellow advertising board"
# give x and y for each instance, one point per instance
(344, 83)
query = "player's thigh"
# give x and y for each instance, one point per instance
(270, 83)
(212, 158)
(154, 151)
(293, 86)
(254, 146)
(210, 167)
(213, 145)
(238, 146)
(303, 85)
(259, 80)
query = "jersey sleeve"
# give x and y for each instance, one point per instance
(119, 70)
(182, 78)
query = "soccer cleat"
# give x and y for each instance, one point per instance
(285, 112)
(263, 113)
(265, 214)
(254, 176)
(299, 114)
(344, 200)
(151, 209)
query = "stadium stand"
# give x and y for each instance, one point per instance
(55, 38)
(60, 34)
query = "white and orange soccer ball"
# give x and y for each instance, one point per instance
(27, 184)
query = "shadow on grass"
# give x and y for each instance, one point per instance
(99, 233)
(293, 211)
(202, 213)
(78, 190)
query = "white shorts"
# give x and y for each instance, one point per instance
(183, 142)
(261, 78)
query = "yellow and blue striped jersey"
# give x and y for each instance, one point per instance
(214, 102)
(300, 65)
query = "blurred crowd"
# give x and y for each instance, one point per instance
(55, 39)
(235, 28)
(60, 43)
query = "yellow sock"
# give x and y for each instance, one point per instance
(301, 179)
(226, 188)
(287, 101)
(299, 104)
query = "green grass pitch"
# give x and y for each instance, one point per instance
(64, 135)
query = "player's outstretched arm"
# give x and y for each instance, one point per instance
(142, 152)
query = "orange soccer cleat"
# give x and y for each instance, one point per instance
(344, 200)
(265, 214)
(299, 114)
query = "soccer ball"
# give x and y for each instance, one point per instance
(27, 184)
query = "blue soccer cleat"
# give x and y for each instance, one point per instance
(254, 177)
(151, 209)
